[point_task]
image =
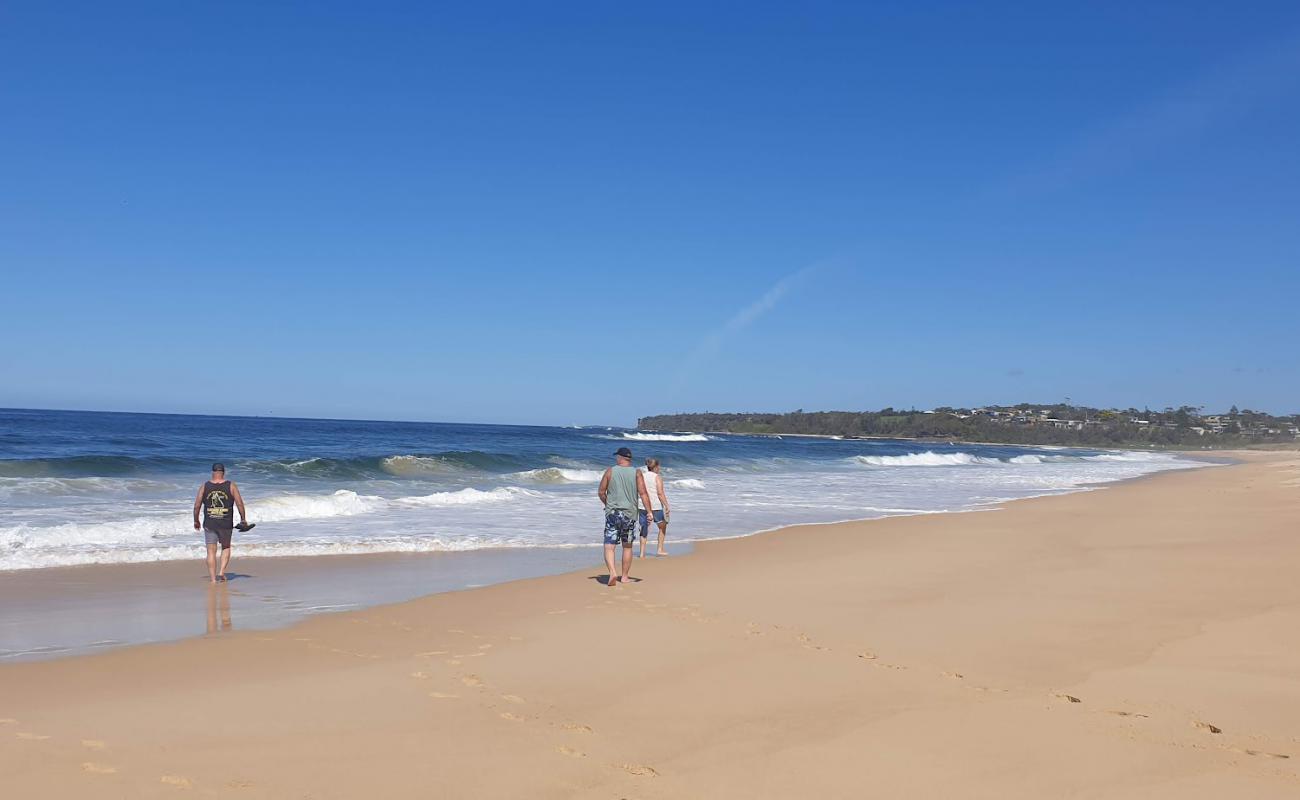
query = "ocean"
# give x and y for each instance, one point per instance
(85, 488)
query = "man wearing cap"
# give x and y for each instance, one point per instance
(218, 498)
(620, 487)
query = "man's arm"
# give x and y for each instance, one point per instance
(198, 503)
(239, 501)
(603, 491)
(640, 489)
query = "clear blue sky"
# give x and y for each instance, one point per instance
(585, 212)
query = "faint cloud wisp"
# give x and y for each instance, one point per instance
(711, 345)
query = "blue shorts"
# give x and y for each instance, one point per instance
(645, 521)
(620, 527)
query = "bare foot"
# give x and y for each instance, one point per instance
(612, 581)
(662, 553)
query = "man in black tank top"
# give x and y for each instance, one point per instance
(218, 498)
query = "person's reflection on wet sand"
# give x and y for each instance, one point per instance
(218, 601)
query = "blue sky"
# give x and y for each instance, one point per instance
(585, 212)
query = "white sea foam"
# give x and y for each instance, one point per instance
(926, 459)
(343, 503)
(665, 437)
(466, 497)
(79, 487)
(687, 483)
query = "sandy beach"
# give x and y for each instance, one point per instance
(1141, 641)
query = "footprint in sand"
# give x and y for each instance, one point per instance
(804, 641)
(455, 630)
(471, 680)
(420, 675)
(1129, 714)
(516, 638)
(639, 769)
(1249, 752)
(93, 744)
(98, 769)
(511, 717)
(1069, 698)
(569, 751)
(485, 647)
(8, 721)
(31, 737)
(431, 654)
(443, 696)
(577, 727)
(1207, 727)
(451, 662)
(236, 784)
(513, 698)
(954, 675)
(177, 781)
(559, 611)
(868, 655)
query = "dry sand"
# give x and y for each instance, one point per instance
(1137, 642)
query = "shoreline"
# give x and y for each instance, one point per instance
(73, 610)
(1159, 658)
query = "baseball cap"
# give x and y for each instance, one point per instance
(218, 467)
(624, 452)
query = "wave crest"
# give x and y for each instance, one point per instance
(662, 437)
(927, 459)
(560, 475)
(687, 483)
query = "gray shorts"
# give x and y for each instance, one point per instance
(215, 535)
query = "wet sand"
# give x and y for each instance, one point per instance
(1140, 641)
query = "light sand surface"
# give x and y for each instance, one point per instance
(1142, 641)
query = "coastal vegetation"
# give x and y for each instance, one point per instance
(1026, 423)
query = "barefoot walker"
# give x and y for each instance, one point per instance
(620, 488)
(657, 512)
(218, 498)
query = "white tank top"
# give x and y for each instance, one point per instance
(652, 489)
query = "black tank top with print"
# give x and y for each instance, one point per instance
(218, 507)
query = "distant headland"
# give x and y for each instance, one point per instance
(1025, 423)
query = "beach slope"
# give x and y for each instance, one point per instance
(1142, 641)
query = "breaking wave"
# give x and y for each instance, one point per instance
(926, 459)
(662, 437)
(687, 483)
(560, 475)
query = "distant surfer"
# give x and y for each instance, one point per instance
(622, 488)
(219, 498)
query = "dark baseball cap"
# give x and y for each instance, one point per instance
(218, 467)
(624, 452)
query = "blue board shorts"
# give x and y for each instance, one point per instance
(620, 527)
(645, 521)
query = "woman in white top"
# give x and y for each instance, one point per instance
(654, 487)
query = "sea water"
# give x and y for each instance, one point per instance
(85, 488)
